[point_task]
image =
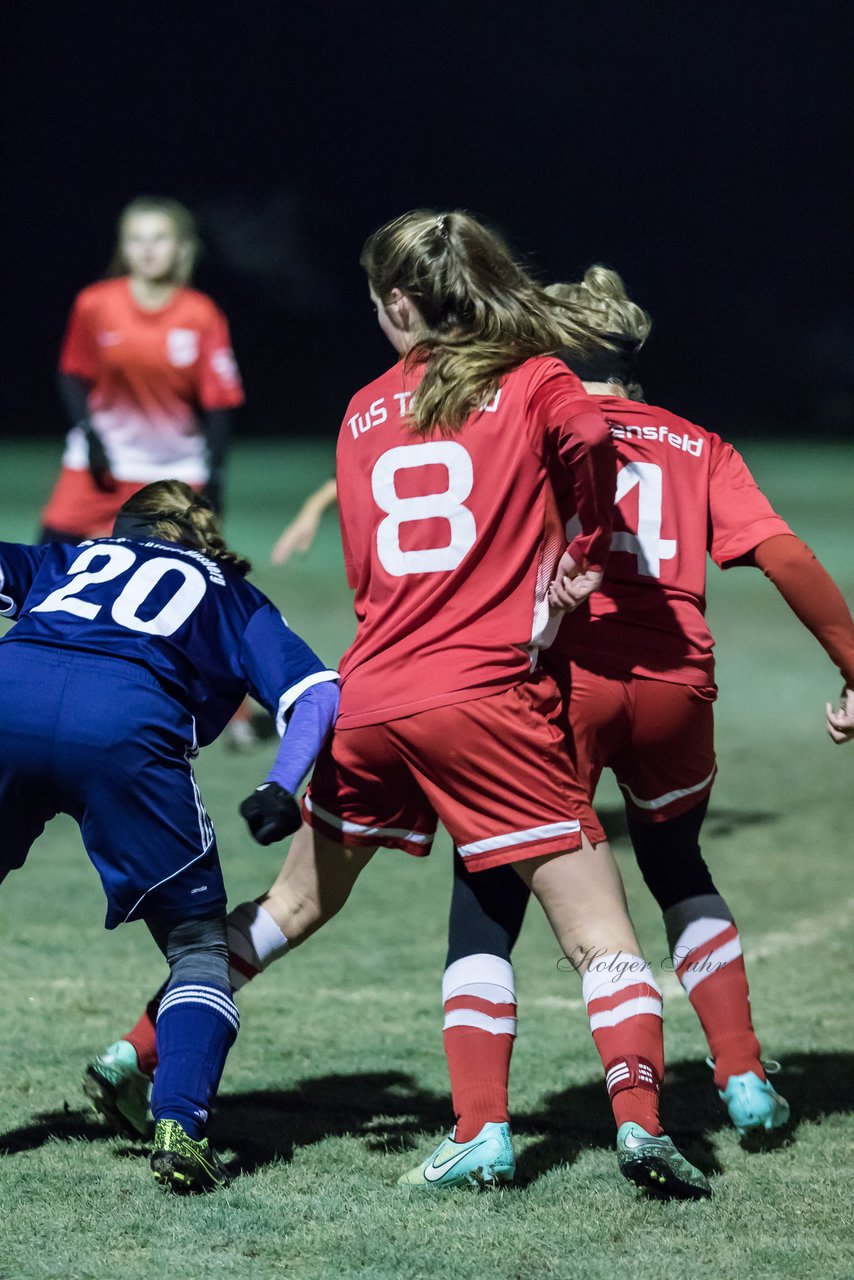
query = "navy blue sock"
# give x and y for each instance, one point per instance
(196, 1026)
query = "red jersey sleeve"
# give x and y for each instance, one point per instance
(79, 354)
(740, 516)
(580, 437)
(219, 379)
(813, 596)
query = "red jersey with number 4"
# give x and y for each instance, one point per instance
(682, 493)
(150, 371)
(450, 541)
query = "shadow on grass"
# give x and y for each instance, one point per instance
(391, 1113)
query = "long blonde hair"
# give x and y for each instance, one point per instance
(178, 513)
(483, 314)
(602, 300)
(186, 233)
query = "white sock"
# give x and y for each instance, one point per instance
(254, 942)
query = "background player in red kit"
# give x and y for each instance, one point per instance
(451, 538)
(636, 670)
(147, 377)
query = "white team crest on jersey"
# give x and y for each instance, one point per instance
(223, 365)
(182, 346)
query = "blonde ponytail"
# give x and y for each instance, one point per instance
(601, 299)
(483, 314)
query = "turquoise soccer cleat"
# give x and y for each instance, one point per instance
(655, 1165)
(119, 1091)
(753, 1104)
(486, 1161)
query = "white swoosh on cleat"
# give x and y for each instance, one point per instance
(434, 1172)
(634, 1143)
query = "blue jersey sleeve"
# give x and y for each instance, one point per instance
(18, 567)
(278, 665)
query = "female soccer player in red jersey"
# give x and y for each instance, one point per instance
(636, 670)
(451, 538)
(147, 377)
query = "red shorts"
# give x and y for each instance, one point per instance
(79, 508)
(495, 771)
(658, 739)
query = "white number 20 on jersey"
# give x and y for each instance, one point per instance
(128, 603)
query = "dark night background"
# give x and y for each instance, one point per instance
(702, 150)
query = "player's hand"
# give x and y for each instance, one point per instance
(271, 813)
(99, 463)
(572, 585)
(298, 536)
(840, 724)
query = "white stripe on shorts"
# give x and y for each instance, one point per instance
(357, 829)
(660, 801)
(511, 838)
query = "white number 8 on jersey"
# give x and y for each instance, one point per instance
(447, 505)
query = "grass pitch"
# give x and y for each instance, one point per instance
(338, 1080)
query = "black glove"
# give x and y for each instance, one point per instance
(271, 813)
(99, 463)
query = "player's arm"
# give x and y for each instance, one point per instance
(215, 425)
(814, 598)
(745, 530)
(219, 391)
(289, 679)
(582, 443)
(19, 565)
(78, 369)
(300, 533)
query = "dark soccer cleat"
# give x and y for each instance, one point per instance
(183, 1164)
(657, 1167)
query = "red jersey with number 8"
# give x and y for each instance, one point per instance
(682, 493)
(450, 540)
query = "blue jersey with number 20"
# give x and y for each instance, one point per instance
(201, 629)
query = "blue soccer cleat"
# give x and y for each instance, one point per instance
(655, 1165)
(753, 1104)
(486, 1161)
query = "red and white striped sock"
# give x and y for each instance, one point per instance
(624, 1006)
(479, 997)
(709, 964)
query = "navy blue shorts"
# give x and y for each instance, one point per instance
(100, 739)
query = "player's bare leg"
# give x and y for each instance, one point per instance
(314, 883)
(583, 898)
